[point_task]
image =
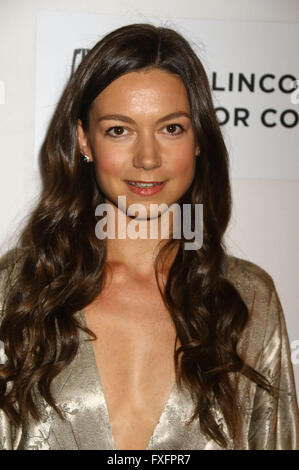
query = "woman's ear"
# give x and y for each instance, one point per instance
(83, 141)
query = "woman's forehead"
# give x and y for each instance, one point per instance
(149, 89)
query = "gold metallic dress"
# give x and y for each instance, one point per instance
(267, 423)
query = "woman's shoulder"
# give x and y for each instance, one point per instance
(10, 261)
(253, 282)
(266, 322)
(10, 264)
(243, 272)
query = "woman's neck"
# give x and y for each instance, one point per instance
(139, 254)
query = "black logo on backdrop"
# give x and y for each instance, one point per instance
(266, 83)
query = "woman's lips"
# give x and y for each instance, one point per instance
(145, 191)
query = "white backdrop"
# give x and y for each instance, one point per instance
(264, 227)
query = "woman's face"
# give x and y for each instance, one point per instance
(133, 138)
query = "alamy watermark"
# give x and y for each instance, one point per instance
(3, 357)
(295, 92)
(173, 222)
(295, 352)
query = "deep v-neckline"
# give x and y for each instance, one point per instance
(97, 376)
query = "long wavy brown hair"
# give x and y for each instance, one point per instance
(61, 261)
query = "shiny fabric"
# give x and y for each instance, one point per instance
(266, 423)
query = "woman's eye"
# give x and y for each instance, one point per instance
(172, 127)
(117, 133)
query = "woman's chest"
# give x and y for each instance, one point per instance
(134, 354)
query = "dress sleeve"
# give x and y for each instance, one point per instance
(6, 432)
(9, 434)
(5, 427)
(275, 421)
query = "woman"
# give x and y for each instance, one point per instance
(190, 348)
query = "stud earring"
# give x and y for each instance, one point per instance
(86, 158)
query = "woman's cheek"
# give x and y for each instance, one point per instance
(109, 160)
(184, 163)
(110, 165)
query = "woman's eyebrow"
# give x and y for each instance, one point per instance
(121, 117)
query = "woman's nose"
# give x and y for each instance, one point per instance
(147, 153)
